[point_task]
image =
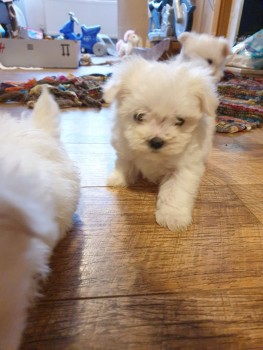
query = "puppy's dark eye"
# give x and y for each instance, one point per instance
(209, 61)
(138, 117)
(179, 121)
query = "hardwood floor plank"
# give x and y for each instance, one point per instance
(252, 197)
(225, 319)
(80, 126)
(251, 137)
(94, 162)
(118, 249)
(235, 165)
(236, 159)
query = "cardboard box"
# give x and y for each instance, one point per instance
(39, 53)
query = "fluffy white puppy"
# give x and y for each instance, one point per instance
(204, 49)
(39, 191)
(163, 130)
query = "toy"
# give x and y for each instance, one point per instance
(167, 25)
(125, 47)
(111, 50)
(90, 40)
(8, 18)
(2, 32)
(169, 18)
(68, 29)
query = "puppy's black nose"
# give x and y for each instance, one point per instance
(156, 143)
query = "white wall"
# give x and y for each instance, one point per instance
(52, 14)
(34, 13)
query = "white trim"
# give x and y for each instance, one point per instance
(234, 21)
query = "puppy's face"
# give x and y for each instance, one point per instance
(159, 107)
(210, 49)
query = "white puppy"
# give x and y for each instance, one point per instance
(163, 130)
(204, 49)
(39, 191)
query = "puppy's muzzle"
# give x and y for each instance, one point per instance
(156, 143)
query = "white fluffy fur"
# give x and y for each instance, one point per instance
(163, 92)
(204, 49)
(39, 190)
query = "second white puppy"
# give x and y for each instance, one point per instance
(163, 130)
(204, 49)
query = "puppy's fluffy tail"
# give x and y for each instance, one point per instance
(24, 209)
(46, 113)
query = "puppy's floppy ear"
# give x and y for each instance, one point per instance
(115, 84)
(111, 89)
(184, 37)
(208, 100)
(225, 46)
(124, 77)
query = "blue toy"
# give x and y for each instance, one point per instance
(89, 38)
(68, 29)
(90, 42)
(2, 32)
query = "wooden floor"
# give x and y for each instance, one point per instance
(119, 281)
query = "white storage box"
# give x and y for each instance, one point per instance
(39, 53)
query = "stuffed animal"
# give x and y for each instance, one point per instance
(125, 47)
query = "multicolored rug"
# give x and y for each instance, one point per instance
(241, 103)
(240, 109)
(69, 91)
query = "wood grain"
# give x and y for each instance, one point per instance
(119, 281)
(203, 320)
(223, 18)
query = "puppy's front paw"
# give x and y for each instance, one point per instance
(173, 218)
(117, 179)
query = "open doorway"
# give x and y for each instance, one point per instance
(245, 20)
